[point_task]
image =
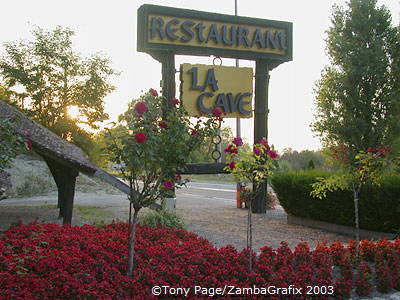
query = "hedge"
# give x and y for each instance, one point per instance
(379, 206)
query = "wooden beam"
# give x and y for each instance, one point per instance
(205, 168)
(118, 184)
(258, 205)
(65, 178)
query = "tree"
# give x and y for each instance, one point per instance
(251, 166)
(152, 150)
(358, 96)
(49, 78)
(298, 161)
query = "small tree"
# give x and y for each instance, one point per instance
(151, 151)
(251, 167)
(364, 167)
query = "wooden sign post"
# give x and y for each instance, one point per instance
(165, 31)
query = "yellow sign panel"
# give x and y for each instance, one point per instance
(212, 34)
(204, 88)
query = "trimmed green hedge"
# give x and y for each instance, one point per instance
(379, 206)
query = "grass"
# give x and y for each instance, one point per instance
(92, 213)
(88, 213)
(43, 206)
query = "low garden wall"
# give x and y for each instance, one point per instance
(379, 206)
(337, 228)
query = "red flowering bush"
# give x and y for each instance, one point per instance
(48, 261)
(250, 167)
(363, 281)
(153, 146)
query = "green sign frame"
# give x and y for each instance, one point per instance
(190, 32)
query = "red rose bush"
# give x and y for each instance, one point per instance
(251, 167)
(154, 144)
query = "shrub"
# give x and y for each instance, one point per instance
(379, 205)
(163, 219)
(11, 143)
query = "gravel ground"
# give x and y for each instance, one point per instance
(218, 221)
(222, 223)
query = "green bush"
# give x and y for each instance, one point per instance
(11, 143)
(379, 205)
(162, 219)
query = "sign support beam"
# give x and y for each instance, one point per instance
(261, 123)
(167, 60)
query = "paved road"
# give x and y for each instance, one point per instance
(208, 194)
(206, 191)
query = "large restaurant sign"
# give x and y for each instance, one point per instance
(164, 32)
(200, 33)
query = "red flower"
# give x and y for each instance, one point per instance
(168, 185)
(28, 144)
(141, 108)
(232, 165)
(153, 92)
(140, 137)
(264, 142)
(175, 101)
(256, 151)
(217, 112)
(231, 149)
(194, 132)
(163, 124)
(178, 177)
(272, 154)
(238, 141)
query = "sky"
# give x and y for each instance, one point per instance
(109, 27)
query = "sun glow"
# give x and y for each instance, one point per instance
(73, 111)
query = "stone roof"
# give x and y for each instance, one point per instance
(46, 143)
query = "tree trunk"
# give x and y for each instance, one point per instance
(132, 239)
(356, 216)
(250, 232)
(250, 240)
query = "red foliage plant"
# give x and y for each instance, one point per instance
(48, 261)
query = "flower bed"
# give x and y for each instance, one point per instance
(47, 261)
